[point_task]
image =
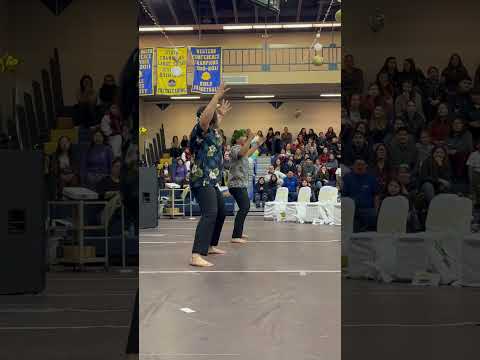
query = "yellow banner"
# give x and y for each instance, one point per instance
(172, 71)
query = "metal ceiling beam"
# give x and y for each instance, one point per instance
(256, 14)
(235, 10)
(172, 11)
(299, 10)
(214, 10)
(150, 11)
(194, 12)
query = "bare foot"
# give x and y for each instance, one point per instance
(197, 260)
(239, 241)
(216, 251)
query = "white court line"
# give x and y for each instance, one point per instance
(155, 272)
(248, 242)
(162, 235)
(413, 325)
(27, 328)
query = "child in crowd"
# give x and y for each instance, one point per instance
(261, 193)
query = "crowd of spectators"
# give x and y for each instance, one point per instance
(308, 159)
(410, 133)
(98, 165)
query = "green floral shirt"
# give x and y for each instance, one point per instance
(207, 157)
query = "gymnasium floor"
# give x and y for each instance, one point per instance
(401, 321)
(79, 316)
(276, 298)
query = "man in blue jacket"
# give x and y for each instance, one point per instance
(363, 189)
(291, 182)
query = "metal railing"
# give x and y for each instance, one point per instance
(280, 59)
(276, 59)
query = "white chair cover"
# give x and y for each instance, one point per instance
(277, 209)
(442, 239)
(327, 199)
(300, 207)
(392, 220)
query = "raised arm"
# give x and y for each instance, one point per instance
(207, 114)
(222, 110)
(245, 148)
(256, 146)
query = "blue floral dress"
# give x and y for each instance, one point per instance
(207, 157)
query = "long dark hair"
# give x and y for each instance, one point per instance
(385, 65)
(58, 151)
(460, 62)
(82, 79)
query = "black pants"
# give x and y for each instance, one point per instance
(241, 197)
(212, 208)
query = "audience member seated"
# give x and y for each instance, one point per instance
(321, 178)
(424, 146)
(261, 193)
(363, 189)
(403, 150)
(164, 175)
(85, 110)
(454, 73)
(184, 142)
(64, 167)
(97, 162)
(109, 91)
(111, 127)
(273, 183)
(435, 174)
(352, 77)
(180, 173)
(286, 137)
(291, 183)
(459, 145)
(110, 185)
(175, 149)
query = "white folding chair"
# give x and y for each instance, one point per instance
(438, 247)
(373, 253)
(275, 209)
(327, 199)
(297, 211)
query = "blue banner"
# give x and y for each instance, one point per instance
(145, 79)
(207, 70)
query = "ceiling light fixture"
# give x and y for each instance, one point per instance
(272, 26)
(185, 97)
(150, 28)
(259, 96)
(178, 28)
(330, 95)
(327, 25)
(297, 26)
(237, 27)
